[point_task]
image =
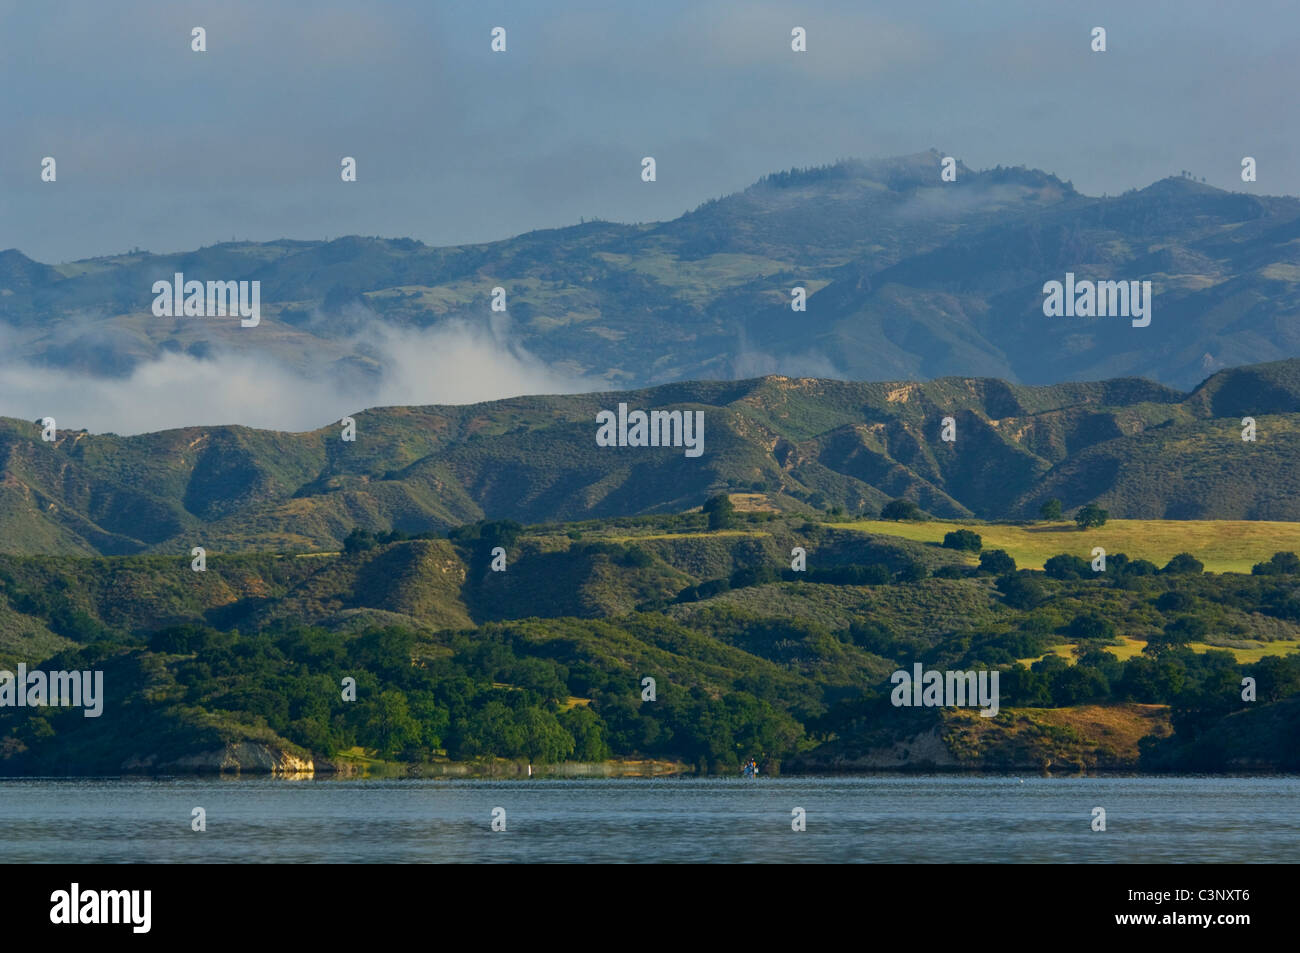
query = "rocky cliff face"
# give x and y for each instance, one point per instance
(243, 757)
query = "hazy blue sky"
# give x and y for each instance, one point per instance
(168, 149)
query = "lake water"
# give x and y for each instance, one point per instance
(877, 819)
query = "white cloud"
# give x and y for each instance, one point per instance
(452, 363)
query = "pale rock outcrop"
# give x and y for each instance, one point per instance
(243, 757)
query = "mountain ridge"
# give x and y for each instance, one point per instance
(1139, 448)
(907, 277)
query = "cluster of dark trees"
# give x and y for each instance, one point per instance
(492, 695)
(1118, 565)
(1201, 687)
(1086, 517)
(845, 574)
(487, 533)
(963, 540)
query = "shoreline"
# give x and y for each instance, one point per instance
(597, 771)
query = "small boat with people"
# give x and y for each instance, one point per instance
(750, 770)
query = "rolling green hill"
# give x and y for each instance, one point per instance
(1135, 667)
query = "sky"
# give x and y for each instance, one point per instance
(166, 149)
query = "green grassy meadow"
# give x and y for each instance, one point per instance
(1222, 545)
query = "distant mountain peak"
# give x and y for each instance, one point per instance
(1179, 185)
(18, 273)
(903, 275)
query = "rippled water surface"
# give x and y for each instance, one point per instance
(877, 819)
